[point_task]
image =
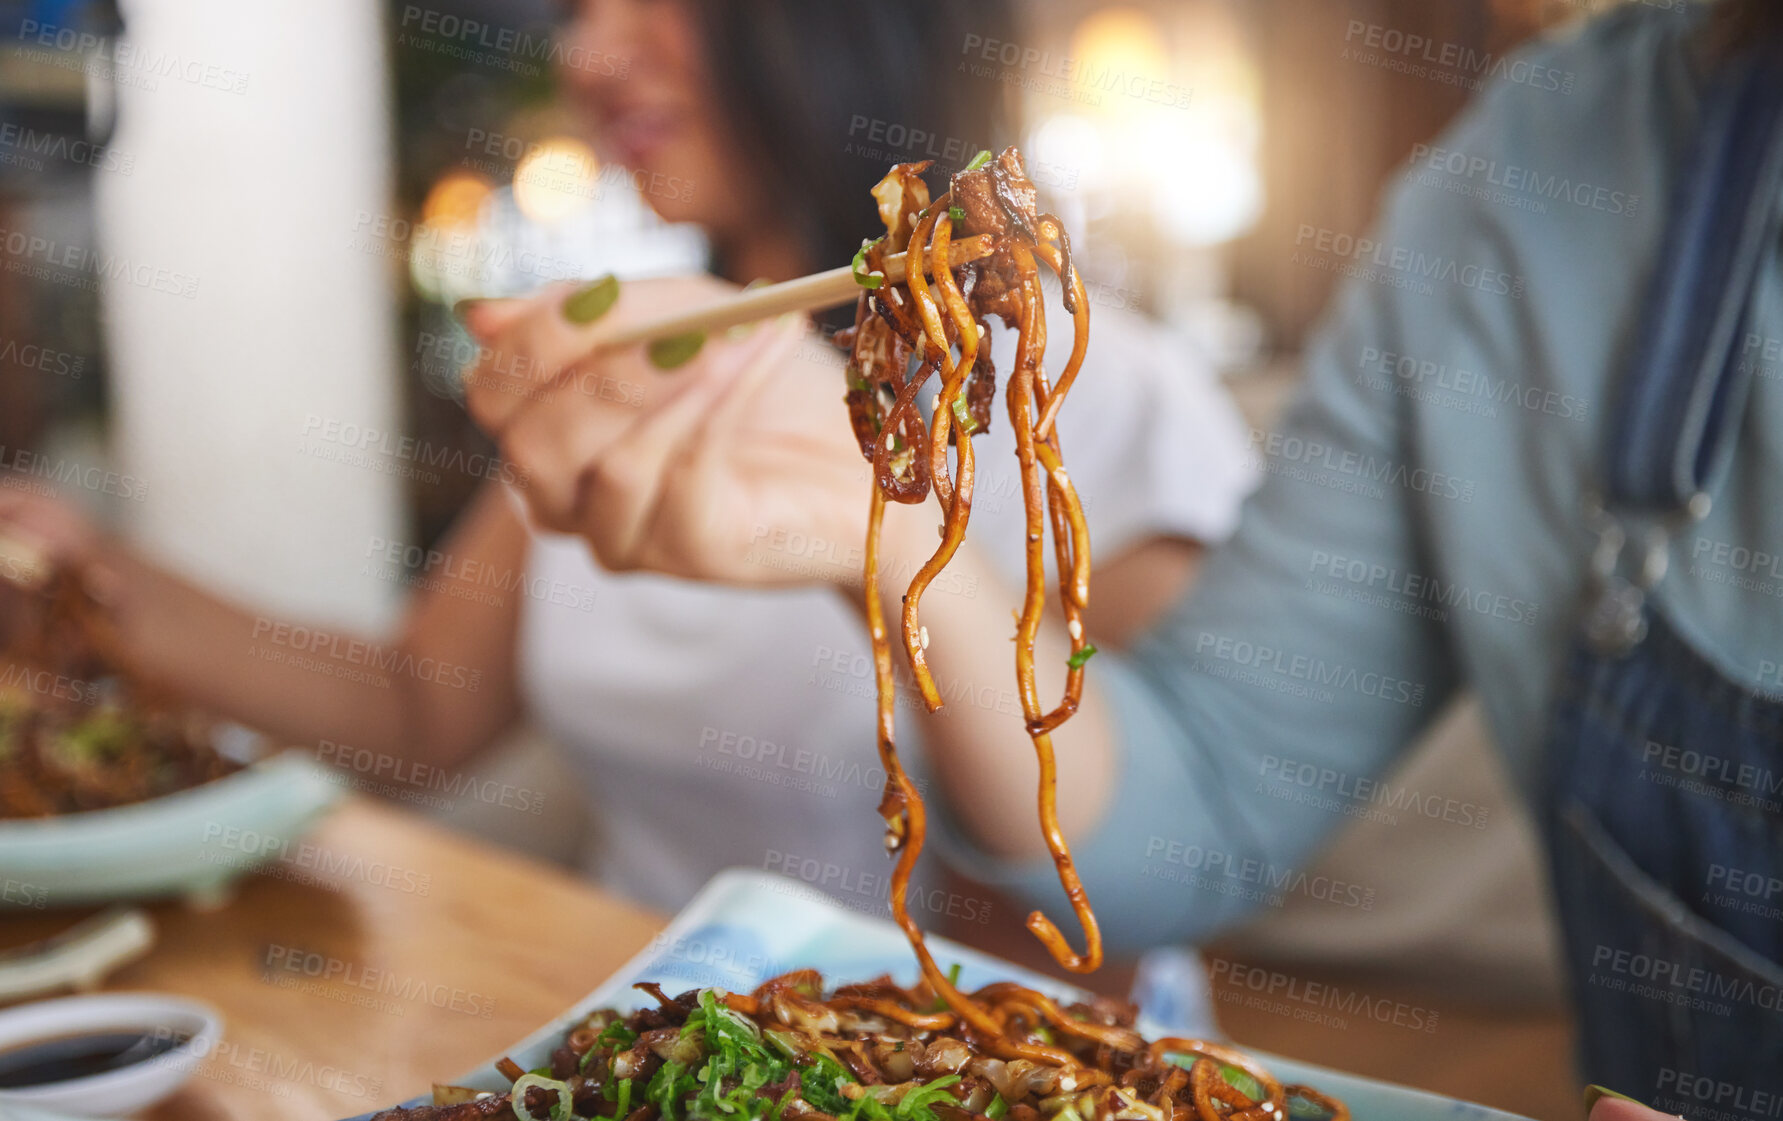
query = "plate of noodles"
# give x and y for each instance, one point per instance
(748, 927)
(766, 1001)
(111, 791)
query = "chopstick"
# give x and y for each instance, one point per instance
(808, 293)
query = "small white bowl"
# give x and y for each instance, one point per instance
(115, 1093)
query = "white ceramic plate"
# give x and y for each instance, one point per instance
(746, 926)
(115, 1093)
(190, 842)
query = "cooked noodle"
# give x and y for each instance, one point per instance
(941, 316)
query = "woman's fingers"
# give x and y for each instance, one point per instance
(593, 463)
(529, 345)
(668, 458)
(484, 319)
(665, 470)
(1622, 1109)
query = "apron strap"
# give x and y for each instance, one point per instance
(1684, 390)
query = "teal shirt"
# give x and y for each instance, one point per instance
(1422, 527)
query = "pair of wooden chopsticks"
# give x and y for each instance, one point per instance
(808, 293)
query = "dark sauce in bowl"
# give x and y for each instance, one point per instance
(82, 1055)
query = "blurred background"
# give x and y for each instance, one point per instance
(225, 292)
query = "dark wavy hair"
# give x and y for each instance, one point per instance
(808, 85)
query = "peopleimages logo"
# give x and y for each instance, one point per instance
(1374, 576)
(63, 262)
(1294, 991)
(368, 440)
(320, 647)
(1451, 63)
(1413, 265)
(1261, 881)
(1315, 672)
(1367, 472)
(20, 464)
(1719, 1092)
(140, 66)
(1524, 180)
(1409, 375)
(1364, 790)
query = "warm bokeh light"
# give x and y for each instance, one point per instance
(1068, 140)
(1122, 41)
(1167, 125)
(455, 200)
(556, 179)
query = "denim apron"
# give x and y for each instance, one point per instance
(1665, 776)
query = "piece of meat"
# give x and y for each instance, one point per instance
(998, 198)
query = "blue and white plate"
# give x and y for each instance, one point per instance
(189, 843)
(746, 926)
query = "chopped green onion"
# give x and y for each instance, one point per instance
(666, 354)
(822, 1076)
(861, 276)
(1045, 1034)
(953, 973)
(517, 1098)
(978, 161)
(665, 1089)
(1076, 660)
(968, 422)
(1241, 1081)
(617, 1034)
(997, 1108)
(957, 213)
(619, 1093)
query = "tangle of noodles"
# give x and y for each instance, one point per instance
(876, 1051)
(940, 317)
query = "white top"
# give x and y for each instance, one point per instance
(717, 726)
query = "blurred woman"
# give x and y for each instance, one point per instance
(718, 726)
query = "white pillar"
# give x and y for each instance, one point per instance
(260, 137)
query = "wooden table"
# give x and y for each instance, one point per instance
(448, 921)
(421, 954)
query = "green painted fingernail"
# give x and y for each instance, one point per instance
(591, 301)
(1595, 1092)
(666, 354)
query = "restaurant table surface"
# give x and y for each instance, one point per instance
(399, 954)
